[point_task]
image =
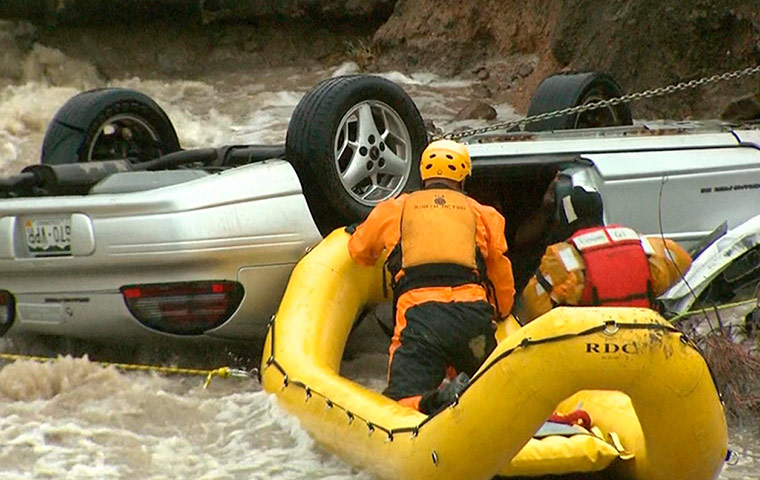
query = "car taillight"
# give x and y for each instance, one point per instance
(7, 311)
(183, 308)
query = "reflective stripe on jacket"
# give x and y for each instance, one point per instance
(560, 279)
(617, 270)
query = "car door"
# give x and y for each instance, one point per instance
(682, 192)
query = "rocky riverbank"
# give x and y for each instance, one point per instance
(644, 45)
(509, 46)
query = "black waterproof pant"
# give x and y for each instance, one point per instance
(438, 335)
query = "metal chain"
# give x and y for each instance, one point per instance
(655, 92)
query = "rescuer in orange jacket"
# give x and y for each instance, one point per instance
(600, 265)
(449, 273)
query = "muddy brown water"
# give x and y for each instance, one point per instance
(78, 419)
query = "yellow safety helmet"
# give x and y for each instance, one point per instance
(445, 159)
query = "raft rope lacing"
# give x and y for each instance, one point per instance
(655, 92)
(609, 327)
(221, 372)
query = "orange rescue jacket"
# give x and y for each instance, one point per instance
(443, 228)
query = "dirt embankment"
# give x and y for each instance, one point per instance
(508, 45)
(642, 44)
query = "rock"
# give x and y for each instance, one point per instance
(431, 129)
(526, 69)
(481, 90)
(744, 108)
(483, 74)
(476, 110)
(752, 323)
(347, 68)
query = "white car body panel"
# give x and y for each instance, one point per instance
(645, 193)
(250, 224)
(710, 263)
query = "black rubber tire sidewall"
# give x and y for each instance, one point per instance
(311, 133)
(566, 90)
(76, 123)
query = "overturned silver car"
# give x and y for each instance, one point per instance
(119, 233)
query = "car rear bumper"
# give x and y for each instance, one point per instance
(104, 314)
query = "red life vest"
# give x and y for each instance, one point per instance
(617, 270)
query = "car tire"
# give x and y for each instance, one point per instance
(354, 141)
(562, 91)
(108, 124)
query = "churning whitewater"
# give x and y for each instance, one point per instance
(75, 418)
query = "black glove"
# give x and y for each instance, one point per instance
(435, 400)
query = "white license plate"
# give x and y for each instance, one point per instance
(49, 236)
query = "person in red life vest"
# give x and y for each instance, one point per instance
(449, 274)
(600, 265)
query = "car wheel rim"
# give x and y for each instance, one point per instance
(600, 117)
(373, 152)
(124, 136)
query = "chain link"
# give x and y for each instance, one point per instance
(655, 92)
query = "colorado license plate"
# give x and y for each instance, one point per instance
(50, 236)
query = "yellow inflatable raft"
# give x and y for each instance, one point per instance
(652, 400)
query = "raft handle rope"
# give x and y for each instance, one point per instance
(655, 92)
(525, 343)
(221, 372)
